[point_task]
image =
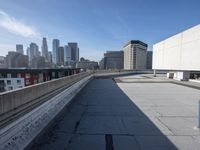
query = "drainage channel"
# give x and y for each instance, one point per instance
(109, 142)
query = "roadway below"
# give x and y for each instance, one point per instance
(126, 115)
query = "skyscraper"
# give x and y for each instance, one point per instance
(68, 56)
(19, 48)
(56, 44)
(74, 51)
(60, 56)
(135, 53)
(50, 57)
(28, 51)
(45, 49)
(67, 53)
(33, 51)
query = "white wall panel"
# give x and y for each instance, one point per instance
(179, 52)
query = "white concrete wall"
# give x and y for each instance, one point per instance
(13, 83)
(179, 52)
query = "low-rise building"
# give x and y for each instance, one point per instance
(2, 62)
(7, 84)
(34, 76)
(102, 64)
(113, 60)
(87, 64)
(2, 86)
(16, 60)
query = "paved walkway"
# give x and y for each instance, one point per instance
(149, 116)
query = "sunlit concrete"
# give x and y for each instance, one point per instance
(172, 108)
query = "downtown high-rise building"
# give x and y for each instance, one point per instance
(68, 56)
(74, 51)
(55, 46)
(60, 56)
(135, 53)
(45, 49)
(67, 53)
(33, 51)
(19, 48)
(50, 57)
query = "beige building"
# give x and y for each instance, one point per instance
(135, 53)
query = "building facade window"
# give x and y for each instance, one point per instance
(18, 82)
(19, 75)
(8, 82)
(8, 75)
(10, 88)
(28, 75)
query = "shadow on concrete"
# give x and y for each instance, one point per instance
(102, 117)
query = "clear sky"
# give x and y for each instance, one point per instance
(97, 25)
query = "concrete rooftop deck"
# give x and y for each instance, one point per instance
(126, 116)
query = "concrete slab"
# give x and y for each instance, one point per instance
(154, 143)
(181, 125)
(53, 141)
(136, 116)
(101, 125)
(161, 126)
(172, 108)
(87, 142)
(125, 143)
(110, 110)
(185, 142)
(140, 126)
(174, 111)
(68, 124)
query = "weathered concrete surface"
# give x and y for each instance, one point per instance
(127, 116)
(172, 108)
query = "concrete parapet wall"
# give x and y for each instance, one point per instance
(126, 72)
(12, 100)
(20, 133)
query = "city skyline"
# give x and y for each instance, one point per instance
(99, 74)
(95, 30)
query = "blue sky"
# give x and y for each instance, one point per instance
(97, 25)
